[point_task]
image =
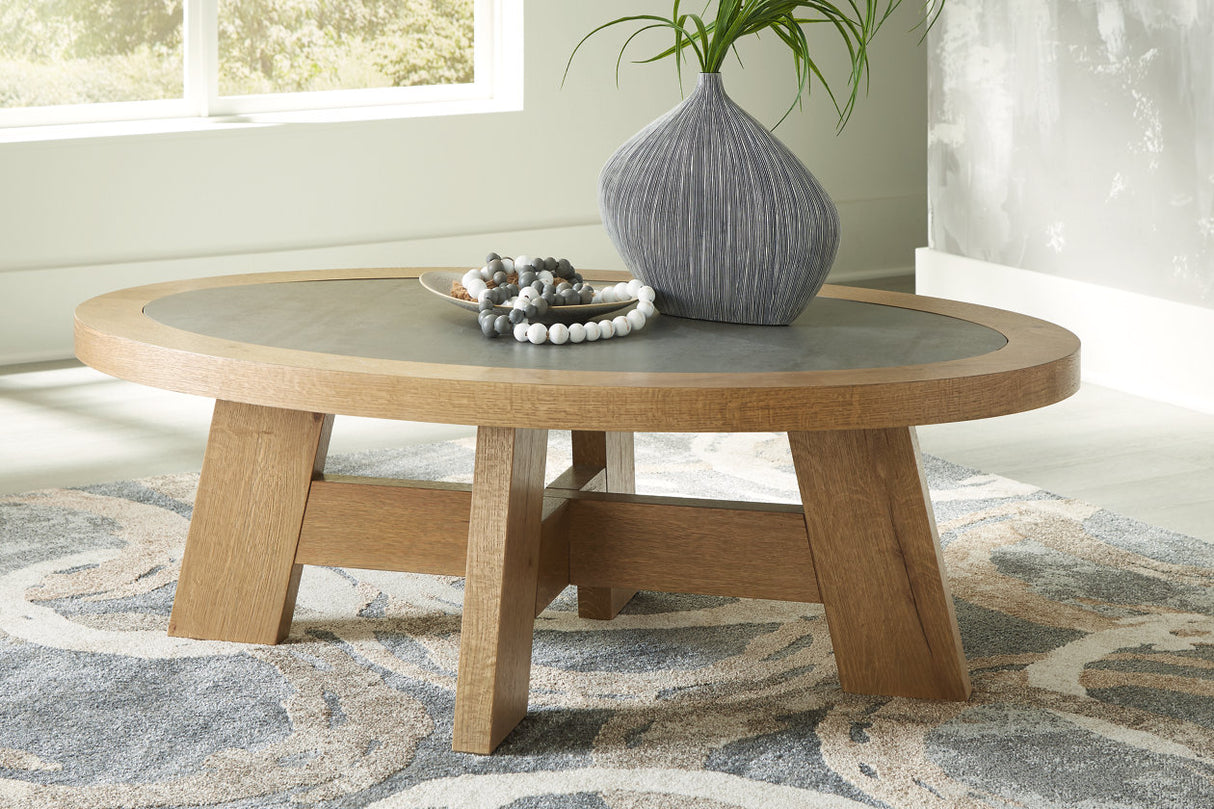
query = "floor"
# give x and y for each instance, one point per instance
(67, 425)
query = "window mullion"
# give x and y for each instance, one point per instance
(201, 55)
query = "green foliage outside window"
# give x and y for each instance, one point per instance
(87, 51)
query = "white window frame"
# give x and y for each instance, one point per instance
(498, 87)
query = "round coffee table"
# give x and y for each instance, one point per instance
(282, 353)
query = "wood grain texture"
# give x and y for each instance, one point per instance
(677, 545)
(878, 562)
(614, 453)
(238, 577)
(500, 588)
(1038, 366)
(418, 526)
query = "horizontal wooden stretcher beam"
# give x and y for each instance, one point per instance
(589, 538)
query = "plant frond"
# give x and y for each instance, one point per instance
(713, 35)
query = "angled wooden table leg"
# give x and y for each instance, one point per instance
(614, 453)
(500, 588)
(238, 573)
(877, 556)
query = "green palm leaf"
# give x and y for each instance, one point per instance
(712, 35)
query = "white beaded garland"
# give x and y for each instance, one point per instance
(478, 279)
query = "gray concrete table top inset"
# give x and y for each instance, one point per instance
(395, 319)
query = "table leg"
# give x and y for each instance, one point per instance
(614, 453)
(500, 588)
(238, 573)
(877, 556)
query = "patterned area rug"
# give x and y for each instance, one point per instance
(1090, 639)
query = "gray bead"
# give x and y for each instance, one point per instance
(586, 293)
(517, 316)
(549, 295)
(563, 285)
(541, 306)
(570, 297)
(532, 311)
(502, 324)
(564, 264)
(550, 263)
(499, 277)
(577, 278)
(486, 304)
(487, 327)
(496, 266)
(548, 289)
(526, 278)
(492, 257)
(537, 285)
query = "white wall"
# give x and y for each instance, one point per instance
(1076, 138)
(82, 216)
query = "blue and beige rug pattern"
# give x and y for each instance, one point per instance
(1090, 639)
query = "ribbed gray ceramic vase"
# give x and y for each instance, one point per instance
(717, 215)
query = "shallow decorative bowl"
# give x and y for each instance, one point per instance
(439, 282)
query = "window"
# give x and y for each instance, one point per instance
(72, 61)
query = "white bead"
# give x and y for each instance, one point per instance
(520, 331)
(537, 333)
(520, 302)
(577, 332)
(475, 287)
(634, 286)
(546, 277)
(621, 326)
(646, 308)
(606, 330)
(636, 319)
(592, 331)
(480, 296)
(527, 293)
(523, 261)
(508, 265)
(473, 274)
(558, 333)
(606, 296)
(486, 273)
(621, 292)
(646, 294)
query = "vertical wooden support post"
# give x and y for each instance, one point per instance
(500, 588)
(877, 556)
(238, 573)
(614, 453)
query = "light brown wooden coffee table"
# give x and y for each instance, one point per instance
(281, 353)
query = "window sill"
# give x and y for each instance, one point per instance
(341, 115)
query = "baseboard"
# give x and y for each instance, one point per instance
(1136, 343)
